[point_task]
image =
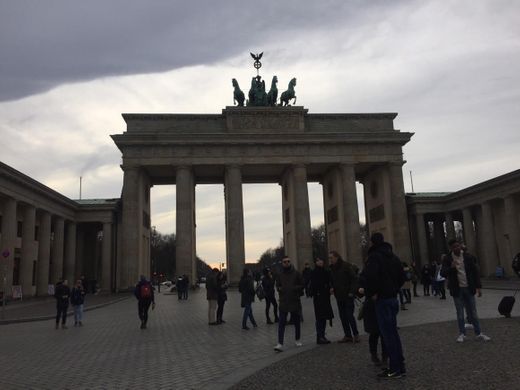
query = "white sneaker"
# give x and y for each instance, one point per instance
(461, 338)
(483, 337)
(468, 326)
(298, 343)
(278, 347)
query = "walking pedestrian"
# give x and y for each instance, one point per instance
(246, 287)
(320, 285)
(344, 288)
(145, 297)
(384, 277)
(463, 282)
(180, 287)
(270, 297)
(62, 295)
(222, 287)
(306, 274)
(289, 284)
(77, 299)
(426, 279)
(212, 295)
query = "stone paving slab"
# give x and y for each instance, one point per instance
(178, 350)
(434, 361)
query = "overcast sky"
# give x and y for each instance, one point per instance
(68, 69)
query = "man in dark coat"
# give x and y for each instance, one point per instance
(289, 284)
(460, 268)
(306, 275)
(246, 288)
(62, 295)
(344, 287)
(144, 293)
(384, 277)
(320, 285)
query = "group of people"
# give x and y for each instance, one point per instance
(182, 284)
(64, 295)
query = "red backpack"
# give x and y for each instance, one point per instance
(146, 291)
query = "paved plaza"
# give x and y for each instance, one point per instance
(180, 351)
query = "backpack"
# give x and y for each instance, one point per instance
(260, 293)
(145, 291)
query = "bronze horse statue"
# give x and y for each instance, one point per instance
(289, 94)
(272, 96)
(238, 95)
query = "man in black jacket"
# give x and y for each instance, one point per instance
(62, 295)
(384, 277)
(460, 268)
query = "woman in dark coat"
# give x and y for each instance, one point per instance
(370, 323)
(246, 287)
(320, 285)
(222, 286)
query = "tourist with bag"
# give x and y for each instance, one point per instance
(144, 293)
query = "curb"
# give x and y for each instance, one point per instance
(50, 317)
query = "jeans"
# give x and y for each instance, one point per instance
(220, 309)
(143, 307)
(346, 315)
(248, 313)
(271, 299)
(466, 300)
(386, 312)
(78, 313)
(320, 328)
(295, 316)
(61, 312)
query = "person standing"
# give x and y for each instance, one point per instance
(461, 270)
(384, 277)
(270, 298)
(344, 286)
(320, 285)
(180, 287)
(246, 287)
(77, 299)
(212, 295)
(222, 287)
(415, 278)
(407, 286)
(306, 274)
(145, 297)
(186, 286)
(439, 279)
(426, 279)
(62, 295)
(289, 284)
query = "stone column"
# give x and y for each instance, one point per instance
(351, 214)
(44, 252)
(57, 250)
(469, 231)
(106, 258)
(234, 224)
(439, 240)
(512, 228)
(487, 237)
(28, 255)
(70, 253)
(450, 228)
(401, 242)
(130, 229)
(302, 223)
(185, 222)
(421, 238)
(9, 226)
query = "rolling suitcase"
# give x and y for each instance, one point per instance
(506, 306)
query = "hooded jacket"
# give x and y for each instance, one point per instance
(383, 274)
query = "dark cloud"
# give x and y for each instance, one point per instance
(45, 44)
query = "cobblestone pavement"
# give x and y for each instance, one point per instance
(178, 350)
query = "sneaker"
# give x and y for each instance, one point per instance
(278, 347)
(461, 338)
(468, 326)
(483, 337)
(298, 343)
(387, 374)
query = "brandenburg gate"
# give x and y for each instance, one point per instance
(262, 144)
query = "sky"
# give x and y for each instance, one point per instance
(68, 69)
